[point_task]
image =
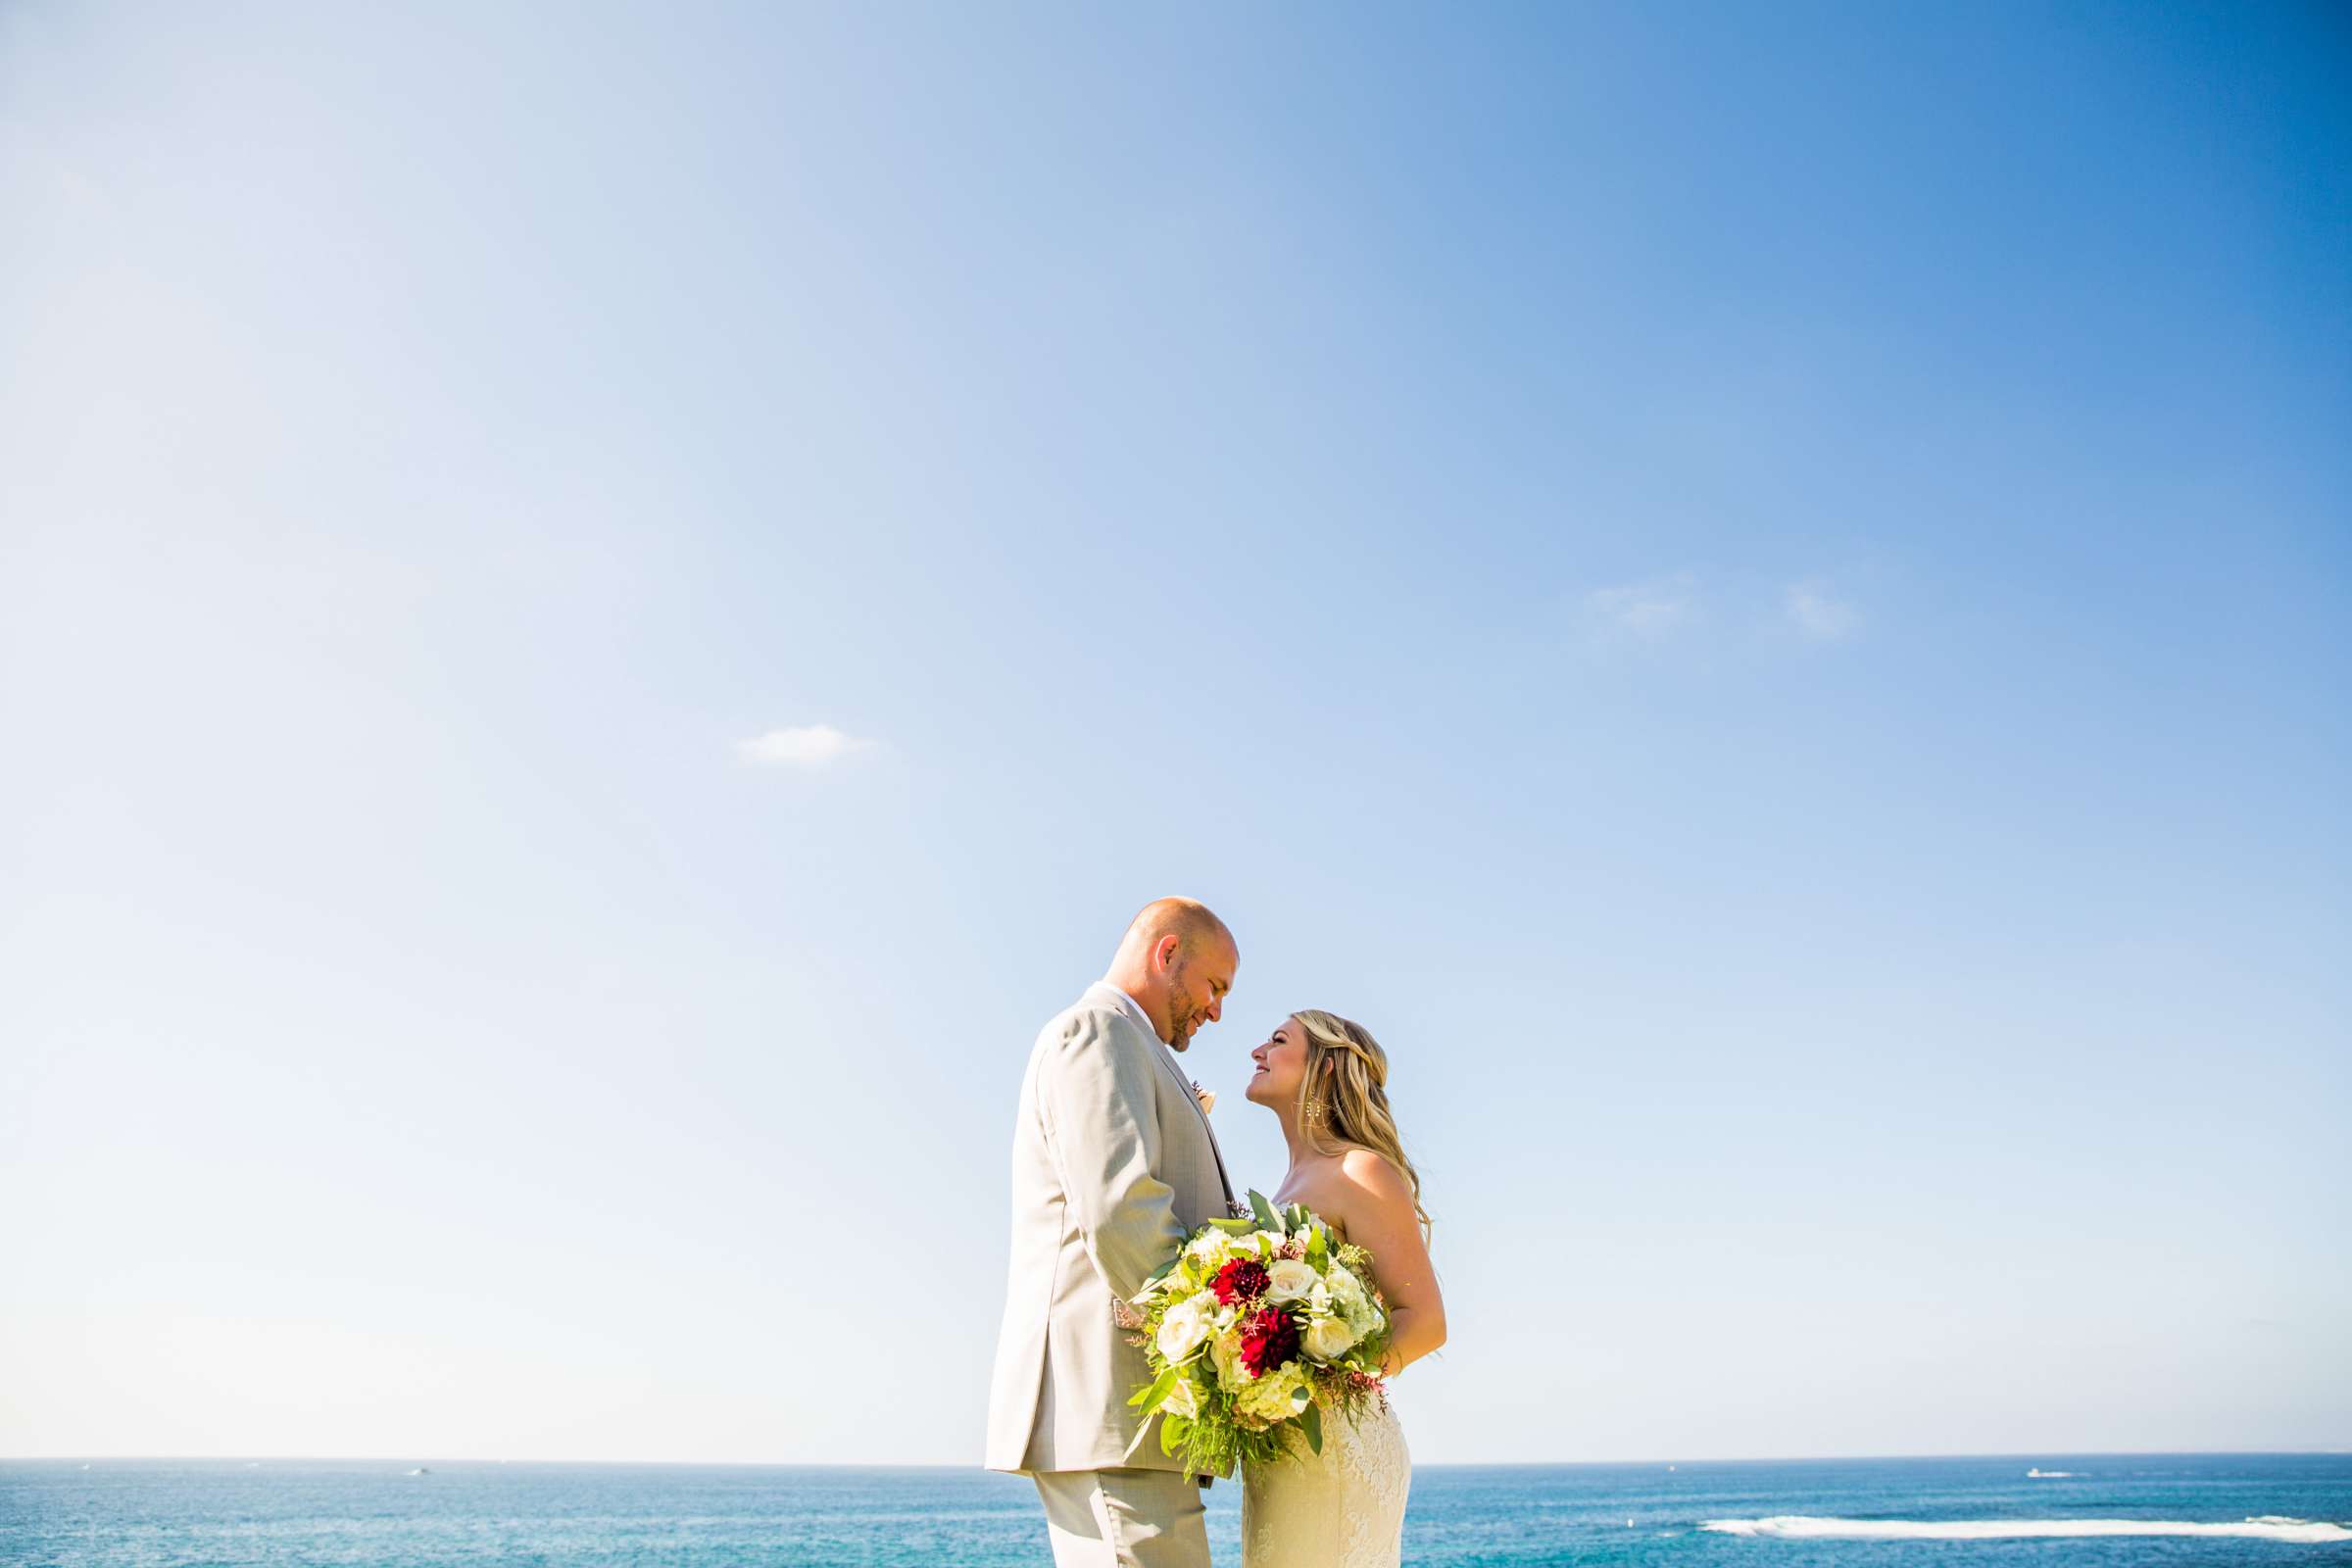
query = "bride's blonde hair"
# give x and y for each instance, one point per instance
(1343, 1097)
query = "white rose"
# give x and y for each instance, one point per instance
(1185, 1326)
(1183, 1401)
(1327, 1338)
(1292, 1279)
(1226, 1352)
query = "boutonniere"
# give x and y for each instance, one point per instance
(1207, 1097)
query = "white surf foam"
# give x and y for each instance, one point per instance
(1796, 1527)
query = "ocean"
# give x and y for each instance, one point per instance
(2271, 1509)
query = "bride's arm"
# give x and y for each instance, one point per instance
(1382, 1220)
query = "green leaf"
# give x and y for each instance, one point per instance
(1164, 1270)
(1150, 1396)
(1236, 1227)
(1173, 1433)
(1312, 1420)
(1318, 1251)
(1267, 1221)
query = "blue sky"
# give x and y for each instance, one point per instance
(1762, 592)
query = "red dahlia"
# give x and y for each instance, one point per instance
(1269, 1338)
(1244, 1279)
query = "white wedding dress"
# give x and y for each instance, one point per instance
(1341, 1508)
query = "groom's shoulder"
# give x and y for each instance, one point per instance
(1092, 1017)
(1092, 1011)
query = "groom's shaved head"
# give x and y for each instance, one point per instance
(1188, 920)
(1177, 961)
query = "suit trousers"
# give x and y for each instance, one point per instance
(1124, 1518)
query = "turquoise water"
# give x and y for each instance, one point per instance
(274, 1514)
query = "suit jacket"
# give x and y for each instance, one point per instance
(1113, 1165)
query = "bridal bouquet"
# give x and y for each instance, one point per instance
(1255, 1326)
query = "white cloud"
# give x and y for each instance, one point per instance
(807, 747)
(1817, 614)
(1649, 610)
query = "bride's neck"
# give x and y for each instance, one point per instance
(1293, 1137)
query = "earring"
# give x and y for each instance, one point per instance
(1314, 1113)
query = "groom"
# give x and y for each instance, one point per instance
(1112, 1166)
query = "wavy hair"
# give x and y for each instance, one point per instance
(1348, 1072)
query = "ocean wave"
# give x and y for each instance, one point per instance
(1796, 1527)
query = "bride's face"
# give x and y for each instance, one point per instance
(1281, 1065)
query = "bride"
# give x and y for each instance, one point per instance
(1327, 1079)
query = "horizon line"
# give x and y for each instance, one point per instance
(935, 1464)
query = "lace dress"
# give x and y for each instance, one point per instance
(1342, 1508)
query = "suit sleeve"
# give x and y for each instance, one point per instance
(1101, 1128)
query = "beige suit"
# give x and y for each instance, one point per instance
(1113, 1165)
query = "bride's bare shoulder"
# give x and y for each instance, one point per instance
(1348, 1186)
(1373, 1173)
(1315, 1182)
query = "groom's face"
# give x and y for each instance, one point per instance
(1197, 985)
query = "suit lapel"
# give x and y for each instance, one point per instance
(1166, 1058)
(1223, 1180)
